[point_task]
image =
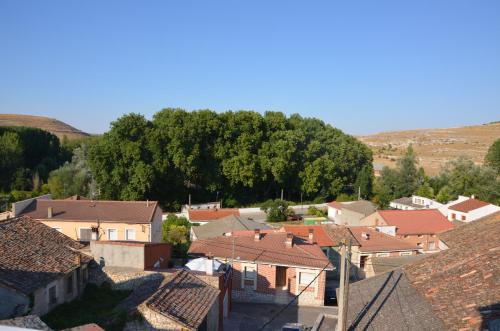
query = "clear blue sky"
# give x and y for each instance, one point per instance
(362, 66)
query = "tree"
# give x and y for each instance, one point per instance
(444, 195)
(176, 232)
(364, 182)
(492, 158)
(276, 210)
(425, 191)
(409, 177)
(11, 153)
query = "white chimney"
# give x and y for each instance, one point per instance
(289, 240)
(209, 265)
(311, 236)
(49, 212)
(473, 196)
(256, 235)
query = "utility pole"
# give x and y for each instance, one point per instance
(282, 194)
(345, 264)
(359, 193)
(189, 203)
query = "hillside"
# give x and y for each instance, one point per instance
(51, 125)
(434, 147)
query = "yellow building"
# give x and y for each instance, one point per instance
(86, 220)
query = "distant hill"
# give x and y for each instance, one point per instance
(434, 147)
(60, 129)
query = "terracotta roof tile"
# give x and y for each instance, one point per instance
(468, 205)
(320, 236)
(271, 248)
(185, 299)
(335, 204)
(33, 254)
(378, 241)
(93, 210)
(429, 221)
(211, 215)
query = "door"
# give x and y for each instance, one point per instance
(281, 277)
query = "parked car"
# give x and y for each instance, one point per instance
(330, 296)
(293, 327)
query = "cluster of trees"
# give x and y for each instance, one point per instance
(27, 155)
(242, 157)
(176, 232)
(458, 177)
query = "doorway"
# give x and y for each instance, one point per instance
(281, 282)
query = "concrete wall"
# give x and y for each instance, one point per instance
(156, 226)
(349, 217)
(119, 254)
(18, 207)
(12, 303)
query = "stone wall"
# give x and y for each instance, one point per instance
(122, 278)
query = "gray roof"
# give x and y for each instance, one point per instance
(389, 302)
(384, 264)
(362, 206)
(407, 201)
(225, 225)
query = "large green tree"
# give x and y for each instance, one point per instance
(492, 158)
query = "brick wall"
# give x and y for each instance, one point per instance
(425, 240)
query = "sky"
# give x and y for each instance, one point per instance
(362, 66)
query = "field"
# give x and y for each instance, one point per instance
(51, 125)
(434, 147)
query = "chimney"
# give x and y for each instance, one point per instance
(256, 235)
(289, 240)
(49, 212)
(365, 235)
(473, 196)
(311, 236)
(209, 265)
(147, 203)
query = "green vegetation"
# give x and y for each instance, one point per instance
(97, 305)
(492, 158)
(277, 210)
(312, 210)
(245, 156)
(176, 232)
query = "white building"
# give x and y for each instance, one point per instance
(415, 202)
(467, 209)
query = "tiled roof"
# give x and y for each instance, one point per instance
(378, 241)
(335, 204)
(211, 215)
(31, 322)
(33, 254)
(427, 221)
(227, 224)
(459, 286)
(319, 234)
(468, 205)
(384, 264)
(340, 233)
(185, 299)
(271, 248)
(93, 210)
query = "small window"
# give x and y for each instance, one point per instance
(85, 234)
(52, 295)
(453, 216)
(249, 272)
(112, 234)
(404, 253)
(420, 235)
(432, 245)
(306, 278)
(420, 245)
(463, 217)
(406, 236)
(129, 234)
(69, 284)
(383, 254)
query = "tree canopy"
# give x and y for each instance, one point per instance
(245, 156)
(492, 158)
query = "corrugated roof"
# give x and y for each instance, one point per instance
(93, 210)
(427, 221)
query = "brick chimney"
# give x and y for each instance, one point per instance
(49, 212)
(209, 265)
(289, 240)
(256, 235)
(311, 236)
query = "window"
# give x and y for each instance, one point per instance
(85, 234)
(383, 254)
(432, 245)
(129, 234)
(249, 272)
(112, 234)
(406, 236)
(463, 217)
(57, 228)
(453, 216)
(52, 295)
(306, 278)
(404, 253)
(420, 245)
(362, 261)
(69, 284)
(420, 235)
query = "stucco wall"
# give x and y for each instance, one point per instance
(12, 303)
(156, 226)
(112, 255)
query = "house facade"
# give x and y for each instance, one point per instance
(350, 212)
(468, 209)
(40, 268)
(417, 227)
(87, 220)
(270, 267)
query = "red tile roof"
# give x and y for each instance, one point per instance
(335, 204)
(468, 205)
(320, 236)
(211, 215)
(93, 210)
(378, 241)
(428, 221)
(271, 248)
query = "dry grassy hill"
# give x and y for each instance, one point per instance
(54, 126)
(434, 147)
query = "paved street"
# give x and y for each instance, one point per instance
(251, 317)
